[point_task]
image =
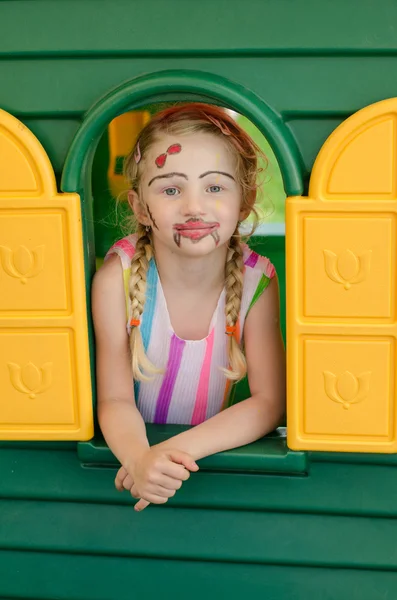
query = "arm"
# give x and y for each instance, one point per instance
(251, 419)
(119, 418)
(153, 474)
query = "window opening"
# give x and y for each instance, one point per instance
(110, 208)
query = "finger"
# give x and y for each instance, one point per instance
(155, 490)
(141, 505)
(184, 459)
(150, 499)
(153, 498)
(128, 482)
(160, 491)
(121, 475)
(168, 483)
(175, 471)
(134, 492)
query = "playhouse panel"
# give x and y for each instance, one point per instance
(38, 380)
(33, 273)
(341, 291)
(348, 387)
(358, 160)
(45, 384)
(348, 265)
(24, 165)
(18, 171)
(360, 170)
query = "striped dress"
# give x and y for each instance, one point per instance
(192, 387)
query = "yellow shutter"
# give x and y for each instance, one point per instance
(341, 291)
(45, 387)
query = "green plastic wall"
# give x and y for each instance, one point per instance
(260, 521)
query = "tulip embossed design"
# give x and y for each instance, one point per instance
(22, 263)
(347, 389)
(347, 268)
(29, 379)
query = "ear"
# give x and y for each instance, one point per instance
(248, 205)
(244, 214)
(137, 208)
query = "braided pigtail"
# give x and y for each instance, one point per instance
(234, 290)
(137, 292)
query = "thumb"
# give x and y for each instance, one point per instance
(183, 458)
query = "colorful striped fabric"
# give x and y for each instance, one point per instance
(192, 387)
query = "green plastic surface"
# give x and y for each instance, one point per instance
(329, 488)
(53, 512)
(78, 576)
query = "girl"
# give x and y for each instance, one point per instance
(175, 303)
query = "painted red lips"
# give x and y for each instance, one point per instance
(196, 230)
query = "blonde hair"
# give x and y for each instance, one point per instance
(184, 119)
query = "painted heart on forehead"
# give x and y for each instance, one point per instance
(160, 161)
(173, 149)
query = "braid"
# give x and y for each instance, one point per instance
(137, 293)
(234, 290)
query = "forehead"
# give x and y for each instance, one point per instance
(199, 152)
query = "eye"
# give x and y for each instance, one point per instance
(215, 188)
(171, 191)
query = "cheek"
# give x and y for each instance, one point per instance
(228, 211)
(157, 216)
(159, 209)
(165, 219)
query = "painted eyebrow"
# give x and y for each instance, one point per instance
(219, 173)
(167, 175)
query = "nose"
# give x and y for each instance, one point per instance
(192, 205)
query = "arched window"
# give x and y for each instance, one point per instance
(167, 87)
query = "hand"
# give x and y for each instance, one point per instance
(124, 481)
(156, 476)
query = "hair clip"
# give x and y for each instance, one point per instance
(231, 329)
(224, 129)
(137, 154)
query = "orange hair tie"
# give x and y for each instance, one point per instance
(230, 329)
(135, 322)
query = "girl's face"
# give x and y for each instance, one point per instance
(190, 194)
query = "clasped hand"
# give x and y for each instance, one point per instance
(155, 476)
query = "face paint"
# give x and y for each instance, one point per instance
(173, 149)
(160, 161)
(215, 237)
(195, 229)
(151, 218)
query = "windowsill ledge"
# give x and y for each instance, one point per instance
(267, 455)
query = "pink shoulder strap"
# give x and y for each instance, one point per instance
(125, 248)
(252, 259)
